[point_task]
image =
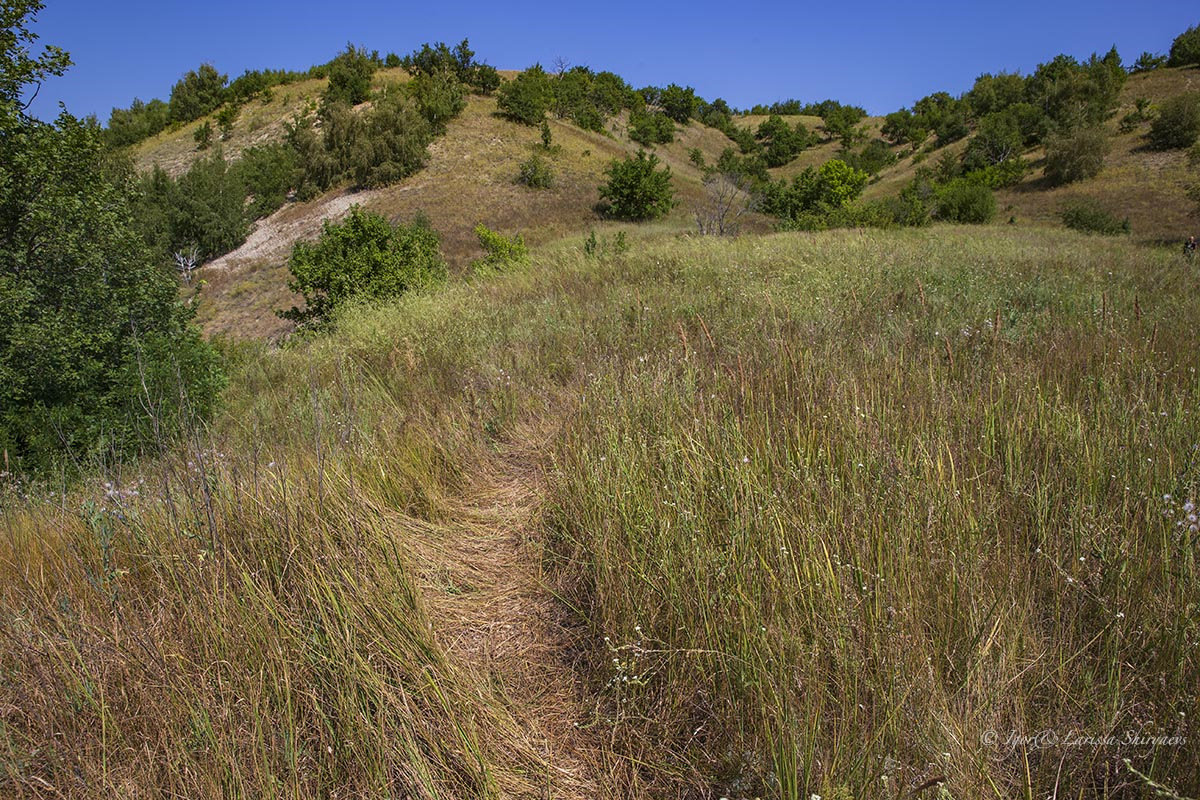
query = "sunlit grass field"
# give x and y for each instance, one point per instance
(853, 514)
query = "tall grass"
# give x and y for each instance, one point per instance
(841, 504)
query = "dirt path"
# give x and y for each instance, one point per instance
(496, 618)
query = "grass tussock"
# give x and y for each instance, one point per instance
(825, 509)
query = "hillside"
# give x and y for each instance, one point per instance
(469, 179)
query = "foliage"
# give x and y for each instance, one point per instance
(197, 93)
(726, 199)
(205, 208)
(679, 103)
(536, 173)
(1089, 216)
(97, 356)
(203, 135)
(1147, 62)
(904, 127)
(1185, 50)
(440, 97)
(993, 94)
(875, 156)
(636, 189)
(834, 185)
(649, 128)
(363, 257)
(749, 166)
(350, 74)
(997, 139)
(500, 252)
(127, 126)
(782, 142)
(226, 117)
(1076, 154)
(527, 97)
(1070, 94)
(696, 156)
(1177, 124)
(963, 201)
(1009, 172)
(267, 172)
(459, 61)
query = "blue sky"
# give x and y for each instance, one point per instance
(881, 55)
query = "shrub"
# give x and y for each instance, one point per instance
(197, 93)
(1076, 154)
(1091, 217)
(649, 128)
(500, 252)
(819, 192)
(1177, 124)
(203, 136)
(364, 257)
(139, 121)
(873, 158)
(965, 202)
(440, 97)
(696, 157)
(637, 189)
(350, 76)
(535, 172)
(268, 173)
(527, 97)
(1185, 49)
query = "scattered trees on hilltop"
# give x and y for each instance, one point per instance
(1185, 50)
(460, 61)
(201, 91)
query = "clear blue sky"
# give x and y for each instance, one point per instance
(881, 55)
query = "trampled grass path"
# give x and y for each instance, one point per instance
(498, 621)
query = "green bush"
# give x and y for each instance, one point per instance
(138, 122)
(204, 208)
(500, 252)
(350, 76)
(1185, 50)
(965, 202)
(1177, 124)
(203, 136)
(268, 173)
(637, 189)
(440, 97)
(535, 172)
(1091, 217)
(649, 128)
(197, 93)
(363, 257)
(527, 97)
(1076, 154)
(834, 185)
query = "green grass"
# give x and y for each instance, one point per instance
(841, 504)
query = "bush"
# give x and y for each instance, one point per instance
(364, 257)
(1076, 154)
(440, 97)
(1090, 217)
(268, 173)
(649, 128)
(197, 93)
(1177, 124)
(965, 202)
(527, 97)
(637, 189)
(1185, 50)
(535, 172)
(138, 122)
(350, 76)
(500, 252)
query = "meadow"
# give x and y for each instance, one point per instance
(857, 514)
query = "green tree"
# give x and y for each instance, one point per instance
(965, 202)
(364, 257)
(350, 76)
(97, 354)
(998, 138)
(650, 127)
(1177, 124)
(1185, 50)
(527, 97)
(197, 93)
(679, 103)
(440, 97)
(637, 189)
(1075, 154)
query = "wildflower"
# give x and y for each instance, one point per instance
(745, 459)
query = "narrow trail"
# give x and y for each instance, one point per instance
(496, 618)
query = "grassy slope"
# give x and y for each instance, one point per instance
(841, 502)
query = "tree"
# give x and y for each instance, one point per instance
(1075, 154)
(997, 139)
(637, 189)
(527, 97)
(197, 93)
(364, 257)
(350, 76)
(1185, 50)
(440, 97)
(97, 354)
(1177, 124)
(678, 103)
